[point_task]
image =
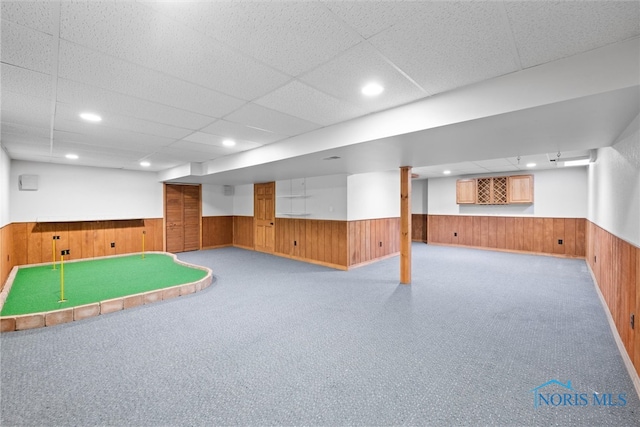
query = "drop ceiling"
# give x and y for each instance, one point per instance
(173, 79)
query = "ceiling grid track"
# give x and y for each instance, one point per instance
(55, 56)
(514, 45)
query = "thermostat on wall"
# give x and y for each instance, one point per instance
(28, 182)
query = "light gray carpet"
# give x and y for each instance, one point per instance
(280, 342)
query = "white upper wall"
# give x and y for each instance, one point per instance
(558, 193)
(79, 193)
(214, 201)
(243, 200)
(5, 167)
(419, 200)
(614, 186)
(373, 195)
(322, 197)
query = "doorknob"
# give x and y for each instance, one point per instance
(271, 223)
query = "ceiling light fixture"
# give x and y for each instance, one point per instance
(91, 117)
(447, 172)
(579, 162)
(228, 143)
(531, 165)
(72, 156)
(145, 164)
(372, 89)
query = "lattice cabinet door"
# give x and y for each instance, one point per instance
(499, 191)
(484, 191)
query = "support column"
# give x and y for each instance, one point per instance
(405, 225)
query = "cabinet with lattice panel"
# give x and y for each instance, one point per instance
(492, 191)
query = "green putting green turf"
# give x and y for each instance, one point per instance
(37, 289)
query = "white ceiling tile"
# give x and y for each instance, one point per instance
(25, 82)
(10, 129)
(39, 15)
(193, 151)
(87, 66)
(491, 163)
(290, 36)
(451, 44)
(25, 48)
(343, 77)
(25, 110)
(105, 101)
(68, 112)
(274, 121)
(217, 141)
(226, 129)
(300, 100)
(95, 134)
(370, 18)
(129, 31)
(545, 31)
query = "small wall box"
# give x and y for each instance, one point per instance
(28, 182)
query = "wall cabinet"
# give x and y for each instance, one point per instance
(500, 190)
(465, 191)
(520, 189)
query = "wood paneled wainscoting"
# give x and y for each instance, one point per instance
(615, 264)
(243, 232)
(217, 231)
(419, 227)
(32, 242)
(317, 241)
(337, 244)
(373, 239)
(7, 255)
(555, 236)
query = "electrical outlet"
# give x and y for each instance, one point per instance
(559, 241)
(380, 244)
(113, 244)
(455, 234)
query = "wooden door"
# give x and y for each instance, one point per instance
(264, 213)
(191, 216)
(182, 217)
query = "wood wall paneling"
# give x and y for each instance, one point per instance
(7, 248)
(217, 231)
(615, 264)
(522, 234)
(20, 243)
(419, 227)
(320, 241)
(243, 231)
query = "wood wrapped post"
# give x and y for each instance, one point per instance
(405, 225)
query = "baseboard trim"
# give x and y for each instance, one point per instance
(371, 261)
(635, 379)
(511, 251)
(249, 248)
(311, 261)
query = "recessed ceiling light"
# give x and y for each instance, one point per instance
(145, 164)
(228, 143)
(90, 117)
(372, 89)
(447, 172)
(72, 156)
(531, 165)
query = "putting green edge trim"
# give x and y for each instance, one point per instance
(70, 314)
